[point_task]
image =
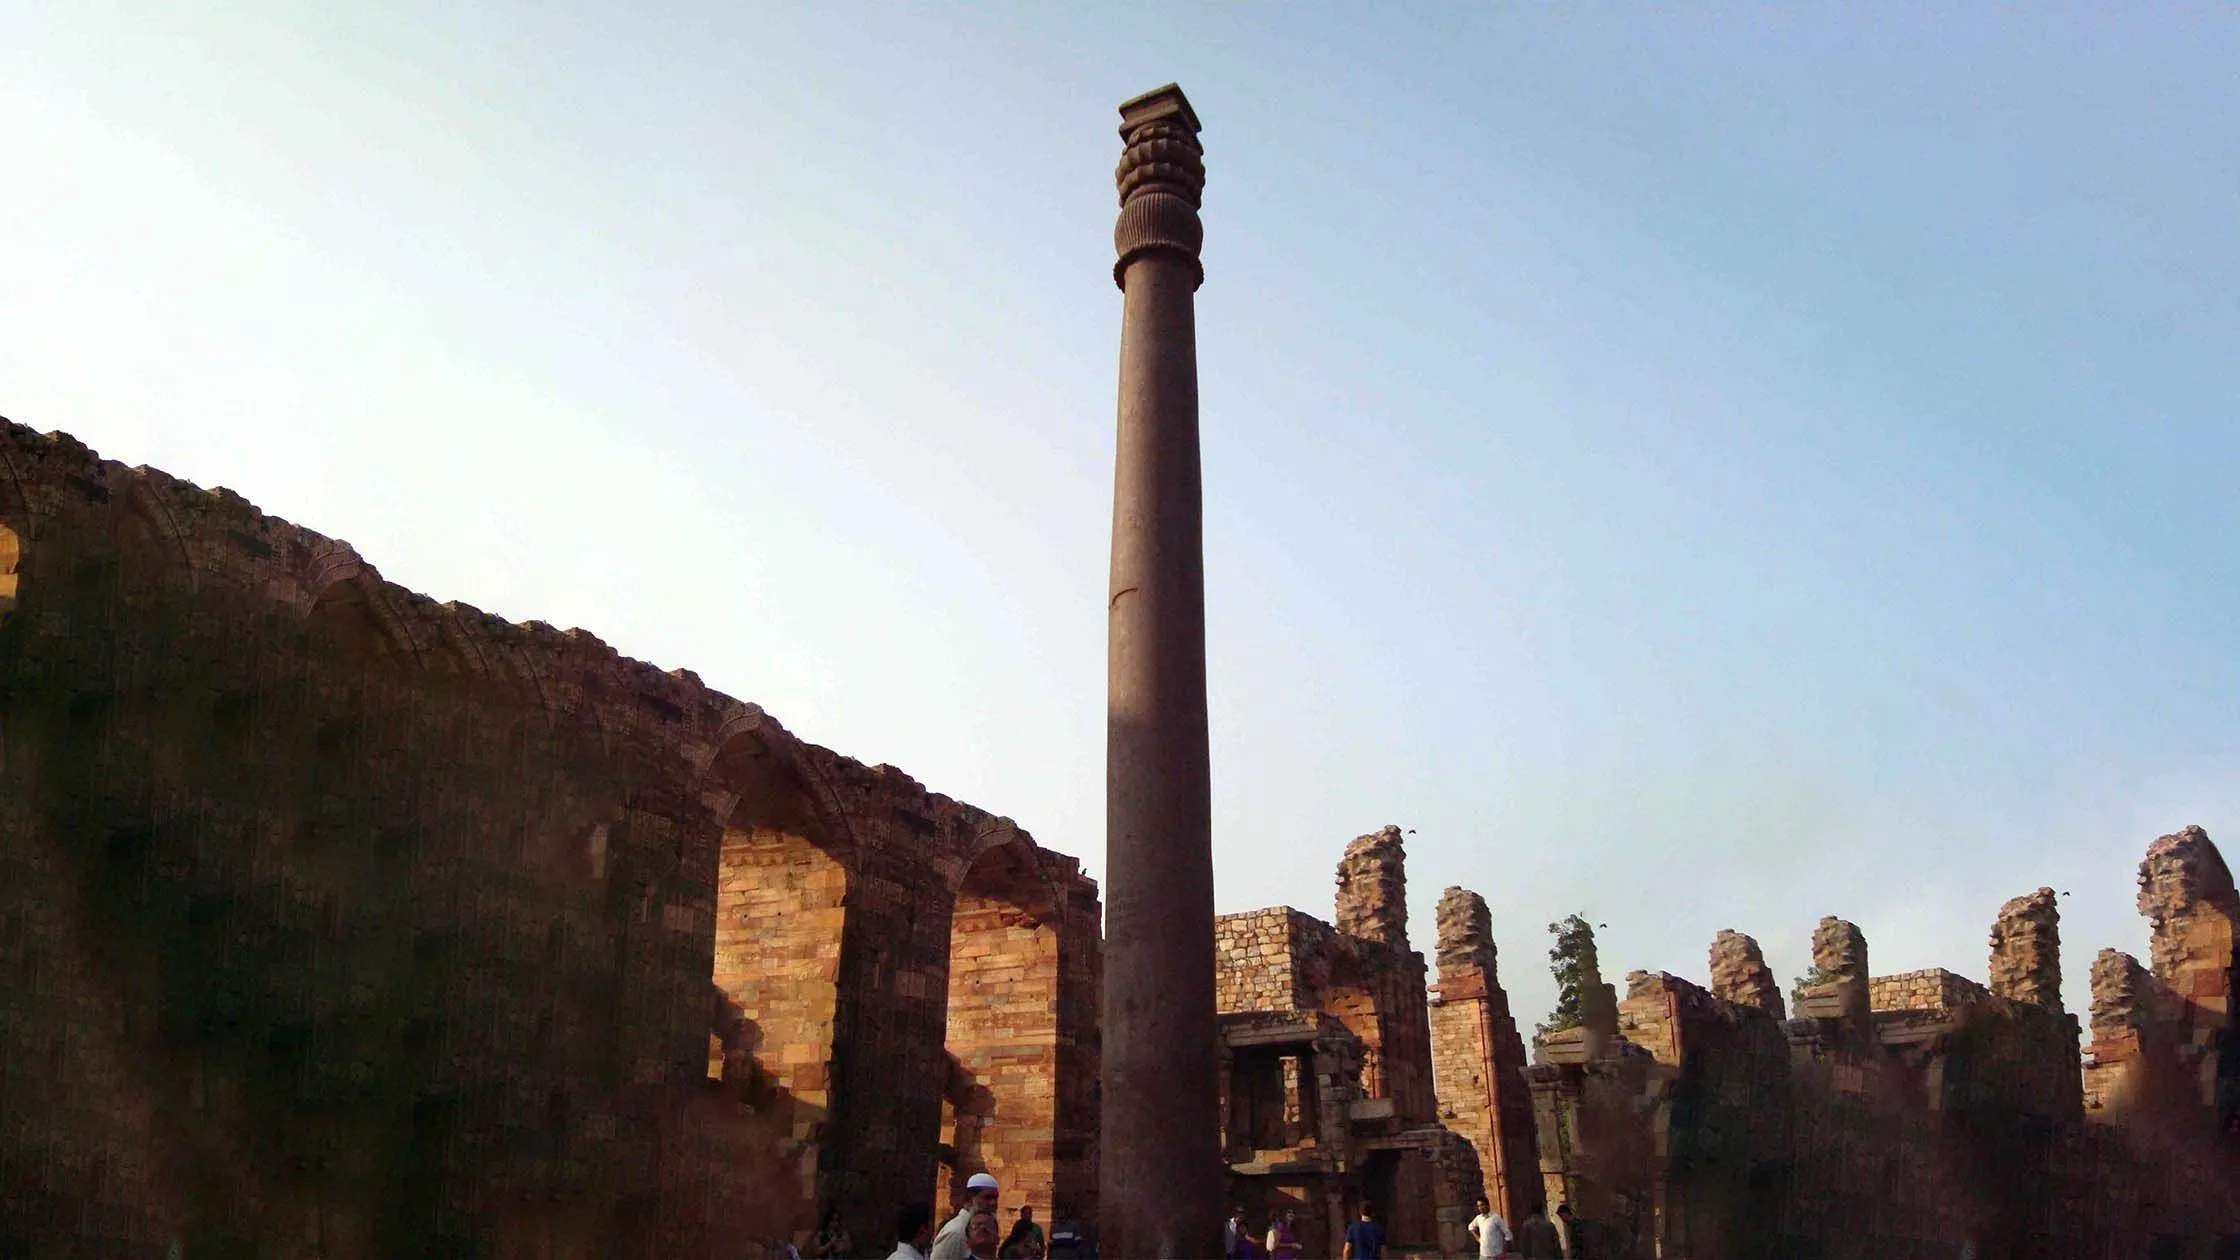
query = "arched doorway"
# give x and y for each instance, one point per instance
(11, 562)
(781, 911)
(999, 1110)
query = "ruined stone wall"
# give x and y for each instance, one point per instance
(1930, 989)
(1739, 973)
(1596, 1152)
(1259, 956)
(1292, 1076)
(1373, 889)
(2186, 893)
(1718, 1106)
(2026, 950)
(351, 921)
(1949, 1113)
(1839, 956)
(1868, 1173)
(1478, 1057)
(2133, 1073)
(1279, 959)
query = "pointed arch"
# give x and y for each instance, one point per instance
(1002, 1024)
(143, 506)
(352, 620)
(783, 884)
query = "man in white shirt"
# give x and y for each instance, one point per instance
(1490, 1230)
(913, 1232)
(979, 1196)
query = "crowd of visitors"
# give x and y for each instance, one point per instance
(1538, 1237)
(975, 1233)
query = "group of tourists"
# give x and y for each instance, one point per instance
(1281, 1242)
(972, 1234)
(975, 1233)
(1536, 1238)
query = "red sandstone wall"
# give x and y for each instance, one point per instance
(345, 921)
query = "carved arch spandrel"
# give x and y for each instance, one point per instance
(141, 501)
(756, 764)
(1051, 903)
(354, 610)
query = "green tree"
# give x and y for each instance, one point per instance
(1567, 961)
(1813, 975)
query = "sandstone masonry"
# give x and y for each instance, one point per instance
(344, 922)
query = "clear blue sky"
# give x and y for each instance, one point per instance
(1705, 467)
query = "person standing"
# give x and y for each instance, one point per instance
(1364, 1238)
(1025, 1240)
(1574, 1233)
(1283, 1236)
(979, 1196)
(1490, 1230)
(1538, 1238)
(832, 1241)
(1237, 1237)
(913, 1231)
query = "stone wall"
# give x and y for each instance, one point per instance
(1707, 1129)
(1299, 996)
(1290, 1080)
(1930, 989)
(346, 921)
(1260, 954)
(1374, 983)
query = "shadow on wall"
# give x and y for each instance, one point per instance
(745, 1122)
(969, 1108)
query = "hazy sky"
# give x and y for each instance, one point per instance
(1704, 468)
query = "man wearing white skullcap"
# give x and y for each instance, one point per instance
(979, 1196)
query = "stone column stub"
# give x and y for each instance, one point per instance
(2026, 950)
(1372, 900)
(1739, 973)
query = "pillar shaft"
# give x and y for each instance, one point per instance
(1160, 1161)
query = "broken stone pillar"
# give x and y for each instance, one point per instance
(2186, 892)
(1739, 973)
(1466, 948)
(1598, 1000)
(1161, 1172)
(2026, 950)
(1478, 1057)
(2122, 999)
(2122, 1024)
(1373, 889)
(1839, 953)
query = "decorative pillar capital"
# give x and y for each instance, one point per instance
(1162, 176)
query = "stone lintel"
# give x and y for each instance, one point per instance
(1821, 1001)
(1372, 1109)
(1405, 1140)
(1567, 1046)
